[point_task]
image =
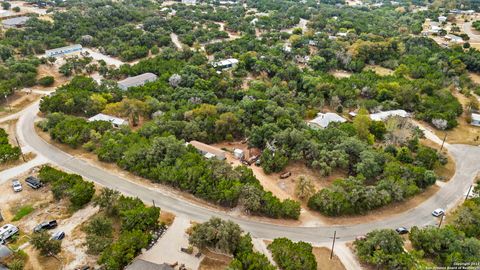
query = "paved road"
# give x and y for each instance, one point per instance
(467, 28)
(468, 164)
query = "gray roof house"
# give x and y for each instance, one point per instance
(324, 119)
(63, 50)
(475, 119)
(4, 252)
(140, 264)
(138, 80)
(15, 22)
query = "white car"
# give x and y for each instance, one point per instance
(438, 212)
(17, 187)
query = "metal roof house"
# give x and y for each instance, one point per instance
(138, 80)
(475, 120)
(140, 264)
(15, 22)
(189, 2)
(208, 151)
(453, 38)
(324, 119)
(381, 116)
(116, 122)
(225, 64)
(63, 50)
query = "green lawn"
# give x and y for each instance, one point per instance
(23, 211)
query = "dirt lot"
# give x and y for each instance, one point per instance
(213, 261)
(323, 259)
(47, 70)
(16, 102)
(379, 70)
(46, 208)
(340, 74)
(464, 133)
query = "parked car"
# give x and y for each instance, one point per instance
(58, 236)
(47, 225)
(17, 187)
(438, 212)
(285, 175)
(401, 230)
(7, 231)
(33, 182)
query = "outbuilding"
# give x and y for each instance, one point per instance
(138, 80)
(382, 116)
(475, 119)
(225, 64)
(64, 50)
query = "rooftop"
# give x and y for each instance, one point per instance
(380, 116)
(226, 62)
(66, 48)
(16, 21)
(112, 119)
(137, 80)
(324, 119)
(476, 116)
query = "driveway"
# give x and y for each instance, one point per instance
(467, 166)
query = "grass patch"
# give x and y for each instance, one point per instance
(22, 212)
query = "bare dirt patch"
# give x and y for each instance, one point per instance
(51, 70)
(340, 74)
(322, 254)
(213, 261)
(16, 102)
(379, 70)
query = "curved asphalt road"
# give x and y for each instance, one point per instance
(467, 158)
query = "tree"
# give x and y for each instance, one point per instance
(292, 256)
(217, 234)
(175, 80)
(45, 245)
(304, 188)
(99, 234)
(46, 81)
(107, 200)
(124, 250)
(6, 5)
(362, 123)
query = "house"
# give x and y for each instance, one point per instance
(475, 120)
(381, 116)
(225, 64)
(434, 29)
(324, 119)
(138, 80)
(342, 34)
(63, 50)
(208, 151)
(140, 264)
(116, 122)
(453, 38)
(16, 22)
(442, 19)
(189, 2)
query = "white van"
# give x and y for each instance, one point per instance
(7, 231)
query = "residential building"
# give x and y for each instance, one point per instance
(138, 80)
(324, 119)
(140, 264)
(208, 151)
(64, 50)
(453, 38)
(116, 122)
(189, 2)
(5, 252)
(16, 22)
(381, 116)
(475, 119)
(442, 19)
(225, 64)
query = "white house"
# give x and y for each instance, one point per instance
(238, 153)
(116, 122)
(475, 120)
(225, 64)
(138, 80)
(453, 38)
(189, 2)
(381, 116)
(63, 50)
(442, 19)
(324, 119)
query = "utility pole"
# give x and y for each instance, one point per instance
(21, 152)
(443, 142)
(441, 220)
(468, 192)
(333, 243)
